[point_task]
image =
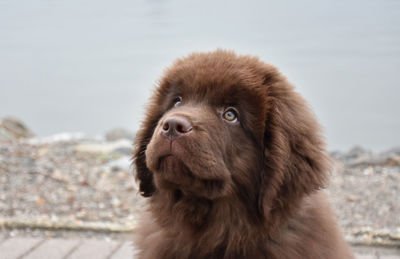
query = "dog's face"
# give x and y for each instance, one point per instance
(207, 133)
(219, 125)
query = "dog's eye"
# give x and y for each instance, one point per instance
(230, 115)
(177, 101)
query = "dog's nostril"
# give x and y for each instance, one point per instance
(176, 126)
(165, 126)
(180, 128)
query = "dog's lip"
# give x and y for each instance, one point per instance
(169, 149)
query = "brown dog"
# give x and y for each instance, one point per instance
(233, 162)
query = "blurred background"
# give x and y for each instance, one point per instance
(90, 65)
(75, 77)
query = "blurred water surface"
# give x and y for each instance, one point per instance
(90, 65)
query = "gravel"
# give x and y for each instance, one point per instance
(44, 183)
(81, 183)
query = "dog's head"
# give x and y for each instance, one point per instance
(220, 125)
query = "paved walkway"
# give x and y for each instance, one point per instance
(39, 248)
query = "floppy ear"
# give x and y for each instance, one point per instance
(295, 160)
(142, 174)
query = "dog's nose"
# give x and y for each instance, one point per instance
(175, 127)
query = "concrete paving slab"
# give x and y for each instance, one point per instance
(358, 256)
(53, 248)
(90, 248)
(2, 239)
(13, 248)
(124, 252)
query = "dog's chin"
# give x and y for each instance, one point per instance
(169, 163)
(173, 169)
(173, 174)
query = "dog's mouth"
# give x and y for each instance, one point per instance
(177, 176)
(188, 166)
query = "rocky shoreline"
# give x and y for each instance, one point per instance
(73, 183)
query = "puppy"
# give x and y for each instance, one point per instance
(233, 163)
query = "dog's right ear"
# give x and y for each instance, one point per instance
(143, 175)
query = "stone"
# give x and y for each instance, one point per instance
(119, 133)
(63, 137)
(122, 163)
(105, 147)
(13, 128)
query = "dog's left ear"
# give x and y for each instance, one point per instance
(295, 160)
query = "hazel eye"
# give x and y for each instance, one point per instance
(178, 101)
(230, 115)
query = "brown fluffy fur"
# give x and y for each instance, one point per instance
(244, 189)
